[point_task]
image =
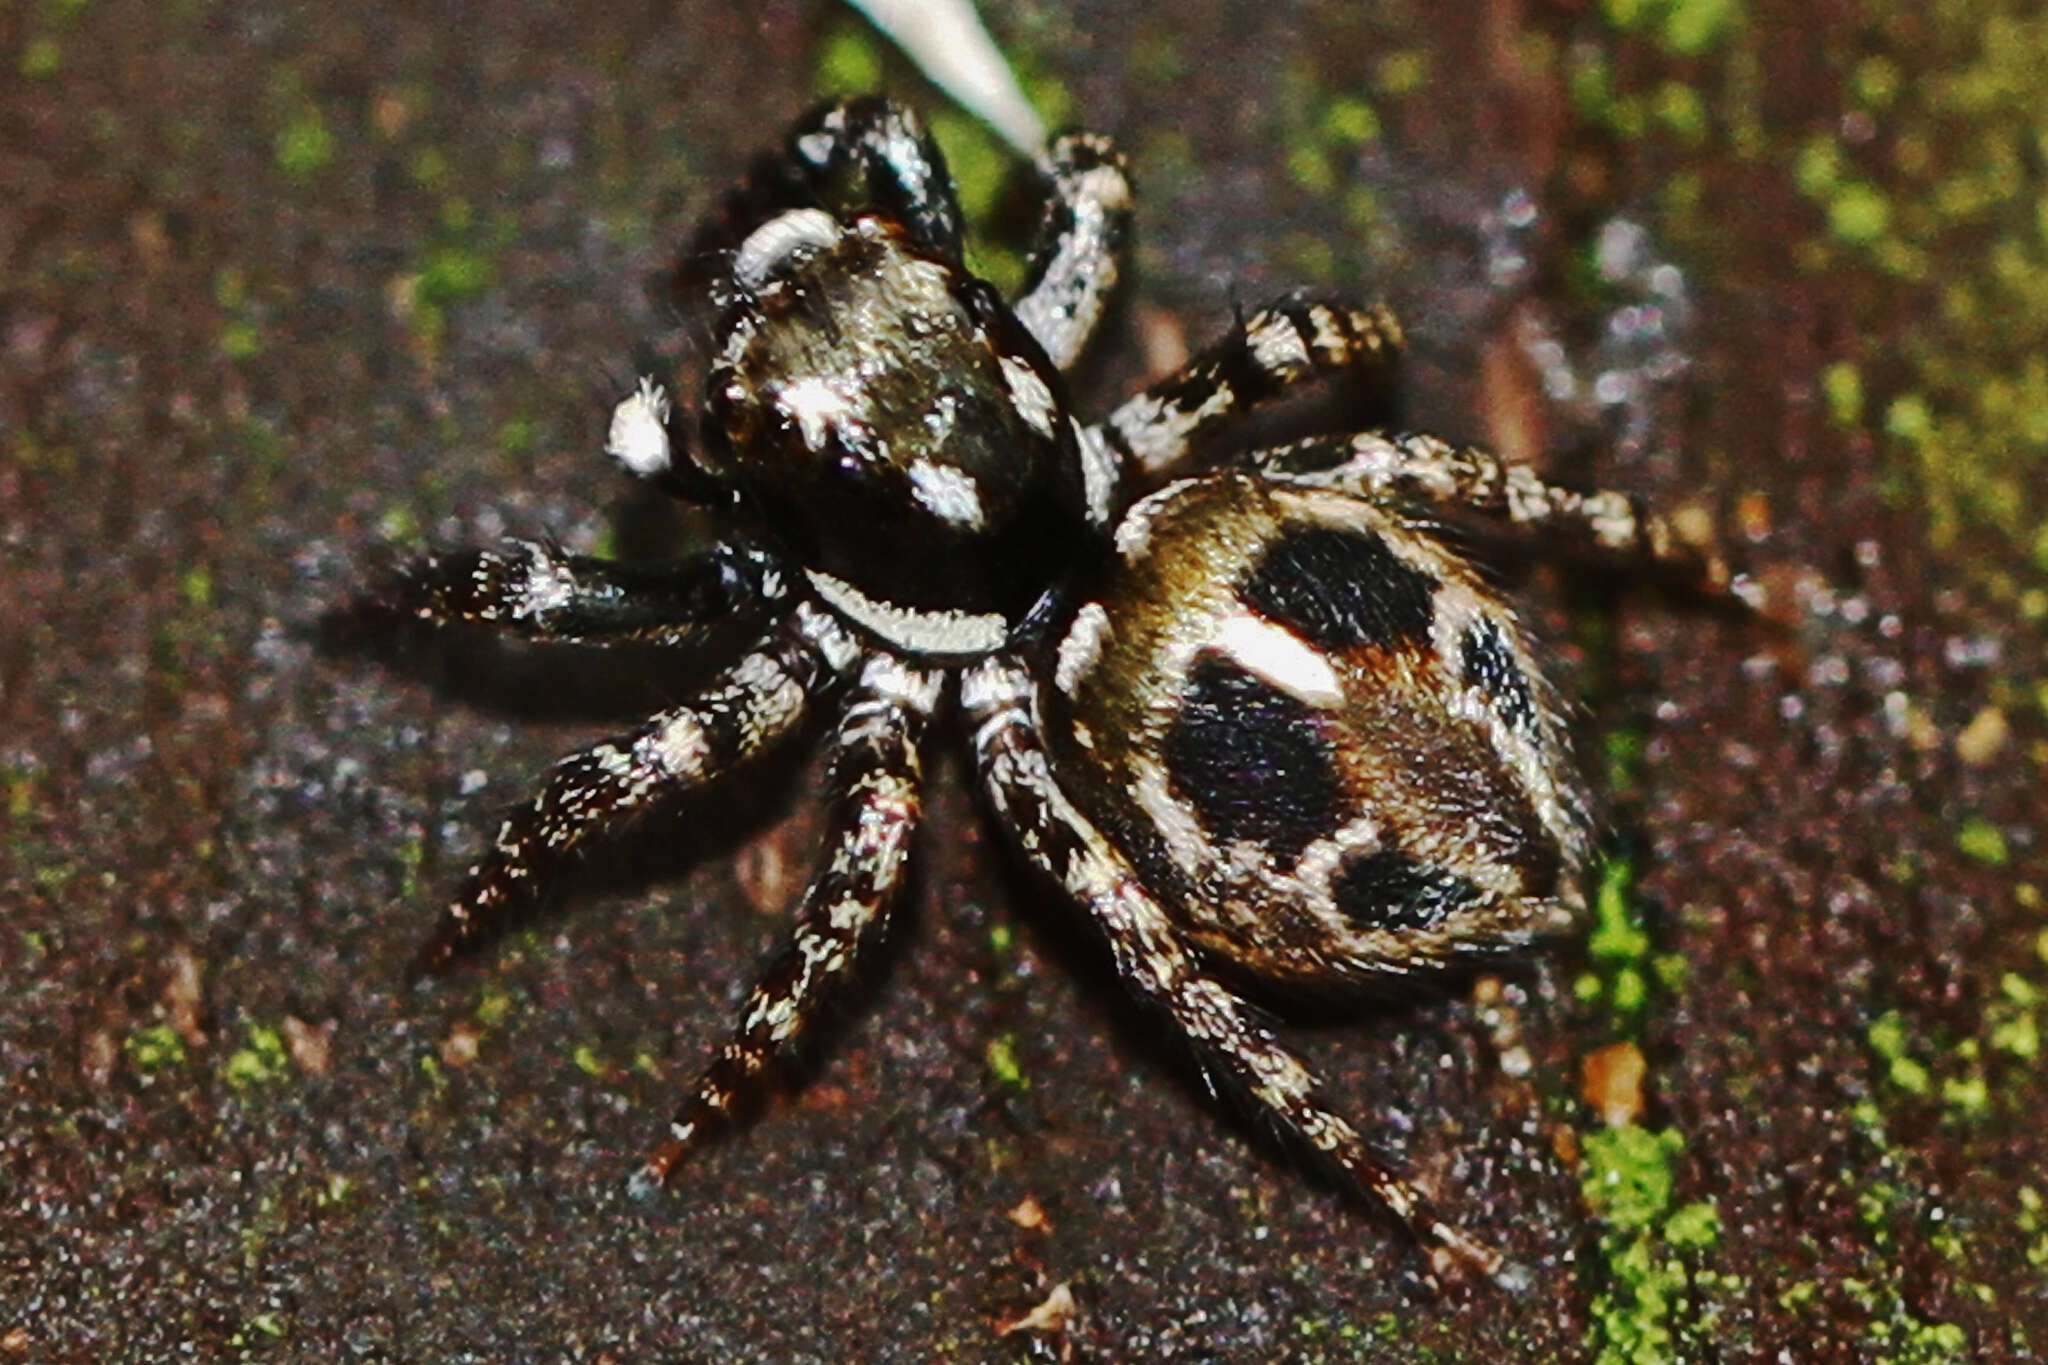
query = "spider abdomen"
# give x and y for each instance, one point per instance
(1312, 723)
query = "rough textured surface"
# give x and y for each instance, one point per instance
(281, 293)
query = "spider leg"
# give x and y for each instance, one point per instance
(757, 701)
(1425, 469)
(871, 152)
(533, 589)
(1282, 345)
(1157, 964)
(1081, 241)
(877, 771)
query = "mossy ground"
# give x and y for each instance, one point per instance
(288, 288)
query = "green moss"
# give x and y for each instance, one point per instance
(1968, 1095)
(261, 1060)
(239, 340)
(1680, 108)
(1858, 213)
(1001, 1056)
(1980, 840)
(1402, 73)
(1627, 1174)
(265, 1325)
(1618, 934)
(412, 850)
(2012, 1022)
(849, 61)
(518, 436)
(452, 274)
(493, 1003)
(153, 1049)
(41, 57)
(1842, 385)
(1642, 1312)
(1350, 120)
(1887, 1038)
(429, 168)
(1685, 28)
(195, 585)
(587, 1061)
(305, 145)
(1694, 1227)
(1310, 168)
(2033, 1222)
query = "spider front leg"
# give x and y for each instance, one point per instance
(1423, 468)
(876, 770)
(1081, 241)
(756, 702)
(871, 152)
(1276, 349)
(1157, 964)
(533, 589)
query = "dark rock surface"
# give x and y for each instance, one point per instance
(285, 292)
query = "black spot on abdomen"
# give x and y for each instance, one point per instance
(1252, 761)
(1390, 890)
(1340, 588)
(1486, 662)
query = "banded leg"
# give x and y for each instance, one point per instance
(757, 701)
(1425, 469)
(1157, 964)
(1280, 346)
(1081, 241)
(871, 152)
(532, 589)
(876, 770)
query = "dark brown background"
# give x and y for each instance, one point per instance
(242, 358)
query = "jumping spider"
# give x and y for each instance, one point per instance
(1257, 720)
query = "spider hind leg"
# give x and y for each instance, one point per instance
(1238, 1052)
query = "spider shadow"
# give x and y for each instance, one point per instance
(531, 681)
(1388, 1011)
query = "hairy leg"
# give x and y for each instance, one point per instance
(1276, 349)
(1159, 967)
(1425, 469)
(871, 152)
(757, 701)
(1081, 242)
(532, 589)
(876, 771)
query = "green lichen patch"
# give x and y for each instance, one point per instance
(1001, 1057)
(154, 1049)
(260, 1061)
(1942, 198)
(305, 146)
(1623, 969)
(1657, 1298)
(1981, 841)
(1684, 28)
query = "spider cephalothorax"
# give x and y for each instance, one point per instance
(1256, 720)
